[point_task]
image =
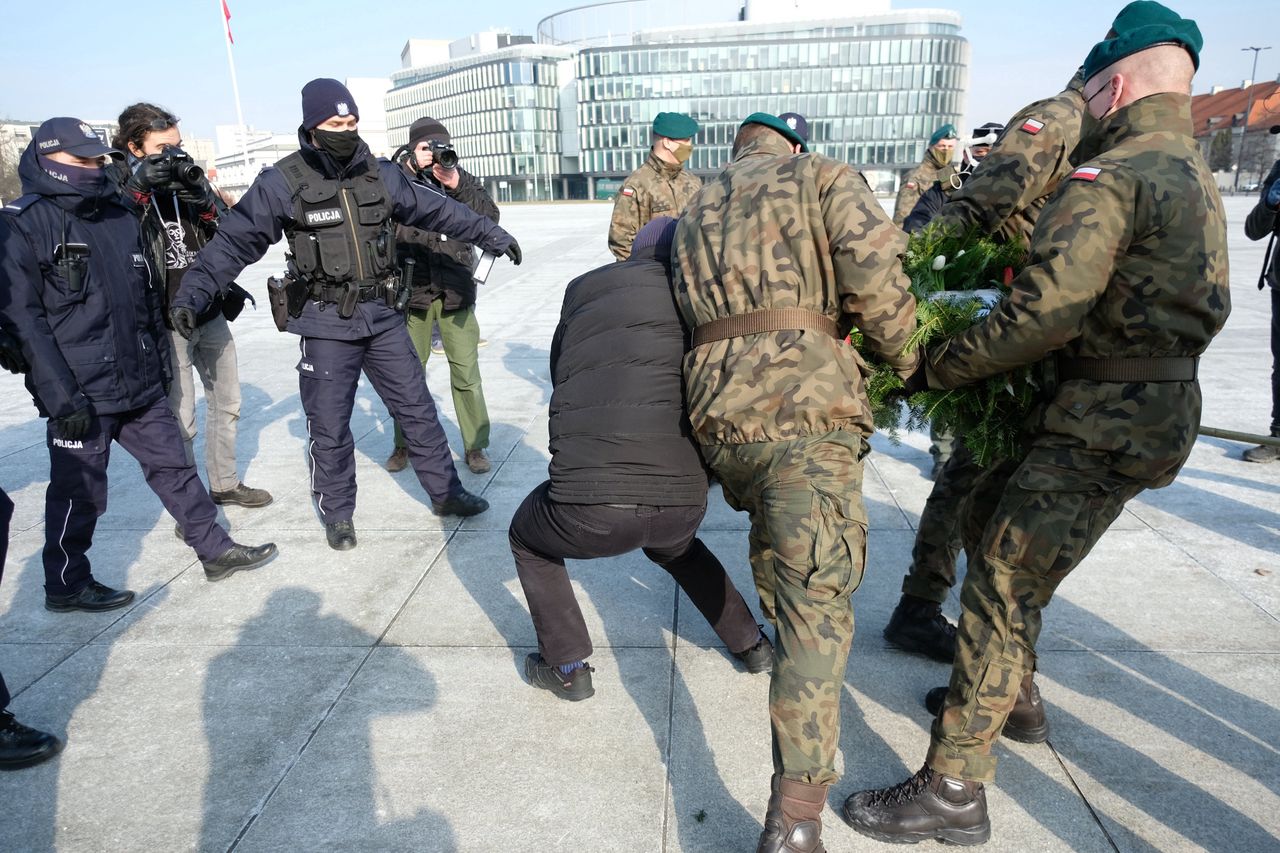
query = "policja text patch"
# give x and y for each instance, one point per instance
(324, 217)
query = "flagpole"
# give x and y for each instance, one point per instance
(225, 15)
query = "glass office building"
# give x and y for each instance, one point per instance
(502, 108)
(873, 83)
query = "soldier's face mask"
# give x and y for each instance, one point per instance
(341, 145)
(683, 151)
(940, 156)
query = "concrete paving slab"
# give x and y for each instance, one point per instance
(22, 664)
(1245, 557)
(1175, 751)
(179, 741)
(412, 758)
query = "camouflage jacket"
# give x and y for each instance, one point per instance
(1128, 259)
(655, 189)
(783, 230)
(916, 182)
(1027, 163)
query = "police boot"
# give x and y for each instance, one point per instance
(793, 821)
(93, 598)
(1027, 722)
(917, 625)
(341, 535)
(462, 504)
(22, 746)
(239, 558)
(928, 806)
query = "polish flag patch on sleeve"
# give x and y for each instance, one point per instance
(627, 191)
(1086, 173)
(1032, 126)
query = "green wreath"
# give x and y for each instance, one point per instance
(949, 274)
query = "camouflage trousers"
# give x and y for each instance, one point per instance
(1028, 525)
(933, 555)
(808, 546)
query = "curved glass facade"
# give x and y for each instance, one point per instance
(502, 110)
(872, 91)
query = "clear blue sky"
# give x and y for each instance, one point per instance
(90, 59)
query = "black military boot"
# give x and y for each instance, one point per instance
(1027, 722)
(239, 558)
(793, 821)
(341, 535)
(462, 504)
(926, 807)
(22, 746)
(917, 625)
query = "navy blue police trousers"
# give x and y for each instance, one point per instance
(77, 493)
(6, 515)
(328, 373)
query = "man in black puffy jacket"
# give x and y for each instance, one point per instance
(625, 473)
(443, 290)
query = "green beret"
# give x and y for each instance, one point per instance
(1142, 13)
(674, 126)
(1132, 39)
(947, 131)
(772, 121)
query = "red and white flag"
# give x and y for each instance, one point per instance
(1086, 173)
(226, 14)
(1031, 126)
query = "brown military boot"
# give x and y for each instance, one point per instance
(1027, 722)
(793, 821)
(928, 806)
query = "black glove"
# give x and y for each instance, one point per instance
(11, 358)
(917, 381)
(513, 252)
(202, 198)
(75, 425)
(154, 171)
(184, 321)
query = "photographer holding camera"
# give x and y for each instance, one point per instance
(443, 290)
(181, 217)
(1264, 221)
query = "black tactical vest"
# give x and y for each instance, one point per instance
(342, 230)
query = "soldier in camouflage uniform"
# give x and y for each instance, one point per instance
(936, 166)
(774, 262)
(660, 187)
(1002, 200)
(1127, 284)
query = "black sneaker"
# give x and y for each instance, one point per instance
(758, 658)
(917, 625)
(238, 558)
(93, 598)
(341, 535)
(22, 746)
(575, 686)
(462, 504)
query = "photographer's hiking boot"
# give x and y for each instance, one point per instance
(917, 625)
(462, 504)
(398, 460)
(478, 462)
(793, 821)
(926, 807)
(758, 658)
(1264, 452)
(574, 685)
(1027, 722)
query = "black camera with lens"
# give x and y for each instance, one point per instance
(443, 153)
(185, 174)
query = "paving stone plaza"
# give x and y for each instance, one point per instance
(372, 700)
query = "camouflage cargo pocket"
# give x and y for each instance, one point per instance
(839, 545)
(994, 699)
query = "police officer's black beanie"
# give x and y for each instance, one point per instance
(427, 128)
(324, 98)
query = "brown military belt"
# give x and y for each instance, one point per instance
(765, 320)
(1178, 369)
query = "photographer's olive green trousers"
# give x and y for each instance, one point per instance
(460, 334)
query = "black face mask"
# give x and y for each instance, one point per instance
(338, 144)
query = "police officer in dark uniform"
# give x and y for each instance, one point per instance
(338, 207)
(82, 294)
(20, 746)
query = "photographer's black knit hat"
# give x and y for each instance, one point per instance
(324, 98)
(427, 128)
